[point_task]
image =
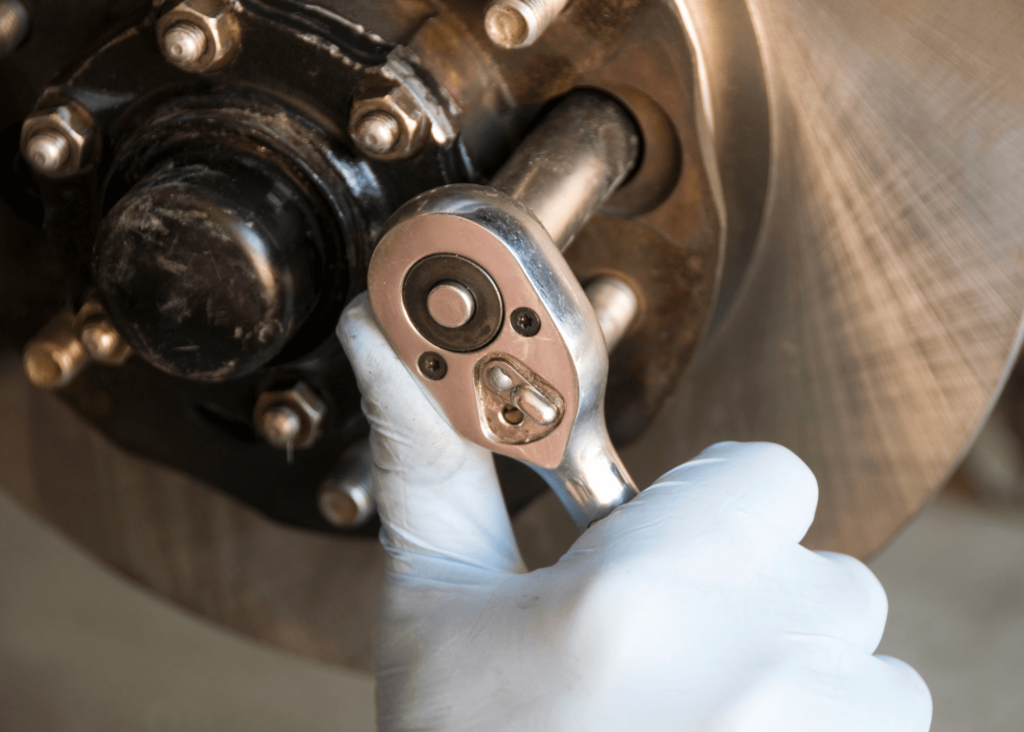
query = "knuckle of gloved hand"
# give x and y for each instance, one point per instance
(760, 479)
(856, 591)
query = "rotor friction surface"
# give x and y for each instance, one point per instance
(883, 306)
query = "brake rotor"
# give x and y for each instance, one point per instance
(881, 312)
(870, 303)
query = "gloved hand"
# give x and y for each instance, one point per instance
(691, 608)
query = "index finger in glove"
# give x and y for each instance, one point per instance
(758, 479)
(437, 493)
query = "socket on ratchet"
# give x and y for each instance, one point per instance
(469, 284)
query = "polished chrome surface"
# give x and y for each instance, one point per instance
(535, 405)
(345, 497)
(615, 305)
(571, 163)
(884, 301)
(500, 381)
(519, 23)
(14, 26)
(450, 304)
(569, 356)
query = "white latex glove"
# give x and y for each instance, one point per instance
(691, 608)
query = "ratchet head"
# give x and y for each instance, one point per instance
(480, 304)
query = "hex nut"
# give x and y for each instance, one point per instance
(304, 401)
(217, 22)
(71, 122)
(400, 105)
(99, 336)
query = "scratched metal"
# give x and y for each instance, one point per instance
(883, 305)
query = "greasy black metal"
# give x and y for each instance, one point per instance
(432, 365)
(431, 271)
(279, 110)
(525, 322)
(209, 269)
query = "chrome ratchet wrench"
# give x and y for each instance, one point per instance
(469, 284)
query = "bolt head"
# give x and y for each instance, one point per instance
(280, 425)
(346, 505)
(183, 44)
(47, 151)
(377, 132)
(199, 36)
(101, 340)
(58, 142)
(398, 105)
(508, 25)
(274, 412)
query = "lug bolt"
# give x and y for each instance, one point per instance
(48, 151)
(519, 23)
(184, 44)
(615, 305)
(390, 125)
(377, 133)
(199, 36)
(345, 498)
(290, 418)
(14, 25)
(54, 357)
(101, 340)
(280, 426)
(58, 141)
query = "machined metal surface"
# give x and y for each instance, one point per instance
(346, 495)
(99, 336)
(290, 418)
(519, 23)
(439, 270)
(616, 307)
(558, 380)
(58, 141)
(389, 125)
(883, 307)
(55, 356)
(14, 25)
(571, 163)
